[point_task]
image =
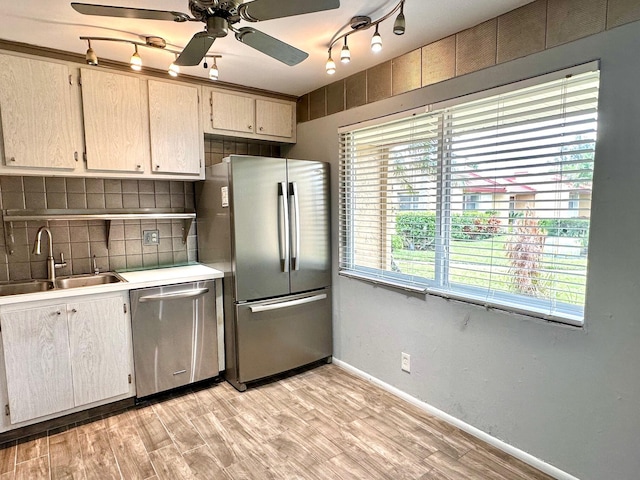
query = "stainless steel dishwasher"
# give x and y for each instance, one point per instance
(174, 336)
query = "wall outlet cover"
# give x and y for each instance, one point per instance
(406, 362)
(151, 237)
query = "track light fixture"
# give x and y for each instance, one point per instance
(345, 54)
(135, 62)
(331, 65)
(364, 23)
(174, 70)
(214, 73)
(91, 57)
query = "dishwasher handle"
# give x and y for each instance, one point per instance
(174, 296)
(290, 303)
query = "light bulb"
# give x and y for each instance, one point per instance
(345, 53)
(376, 41)
(174, 69)
(136, 61)
(331, 65)
(91, 58)
(213, 73)
(398, 25)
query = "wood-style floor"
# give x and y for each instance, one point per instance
(321, 424)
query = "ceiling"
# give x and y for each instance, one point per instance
(54, 24)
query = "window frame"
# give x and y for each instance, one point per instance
(465, 293)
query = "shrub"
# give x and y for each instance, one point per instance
(566, 227)
(525, 249)
(417, 230)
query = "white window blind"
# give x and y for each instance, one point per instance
(486, 201)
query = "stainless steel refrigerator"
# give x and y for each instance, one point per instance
(265, 223)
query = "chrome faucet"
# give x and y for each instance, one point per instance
(51, 263)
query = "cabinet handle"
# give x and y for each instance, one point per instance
(157, 167)
(12, 159)
(58, 312)
(74, 310)
(138, 167)
(261, 129)
(249, 127)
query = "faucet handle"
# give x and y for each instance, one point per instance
(62, 262)
(96, 270)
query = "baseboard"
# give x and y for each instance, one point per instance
(470, 429)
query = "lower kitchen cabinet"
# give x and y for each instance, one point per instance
(58, 358)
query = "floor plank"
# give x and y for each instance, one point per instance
(65, 456)
(98, 457)
(34, 469)
(170, 465)
(130, 453)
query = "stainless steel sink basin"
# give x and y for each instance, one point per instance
(17, 288)
(76, 281)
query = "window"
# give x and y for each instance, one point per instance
(486, 201)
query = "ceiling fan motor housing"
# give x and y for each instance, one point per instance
(217, 27)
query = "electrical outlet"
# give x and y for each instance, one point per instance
(405, 364)
(151, 237)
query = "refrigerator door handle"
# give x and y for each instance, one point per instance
(295, 254)
(290, 303)
(283, 218)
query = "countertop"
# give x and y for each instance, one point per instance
(137, 279)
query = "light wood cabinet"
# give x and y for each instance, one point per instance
(38, 367)
(115, 131)
(177, 142)
(36, 114)
(61, 357)
(274, 118)
(249, 116)
(99, 347)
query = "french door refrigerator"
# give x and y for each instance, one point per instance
(265, 223)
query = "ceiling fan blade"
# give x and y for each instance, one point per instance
(195, 50)
(124, 12)
(268, 9)
(271, 46)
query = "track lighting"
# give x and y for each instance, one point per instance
(398, 25)
(136, 61)
(376, 41)
(362, 22)
(213, 72)
(331, 65)
(91, 57)
(345, 54)
(174, 70)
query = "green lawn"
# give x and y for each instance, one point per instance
(471, 264)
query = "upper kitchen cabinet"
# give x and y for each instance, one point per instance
(249, 116)
(38, 120)
(177, 143)
(115, 129)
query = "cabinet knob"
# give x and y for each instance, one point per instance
(261, 129)
(138, 167)
(157, 167)
(74, 310)
(249, 127)
(58, 312)
(12, 159)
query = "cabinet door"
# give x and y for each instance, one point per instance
(232, 112)
(99, 343)
(36, 113)
(176, 136)
(274, 118)
(36, 354)
(116, 135)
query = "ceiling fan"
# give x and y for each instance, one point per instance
(220, 16)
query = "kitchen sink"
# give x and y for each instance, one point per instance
(16, 288)
(76, 281)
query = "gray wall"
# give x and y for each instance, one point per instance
(566, 395)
